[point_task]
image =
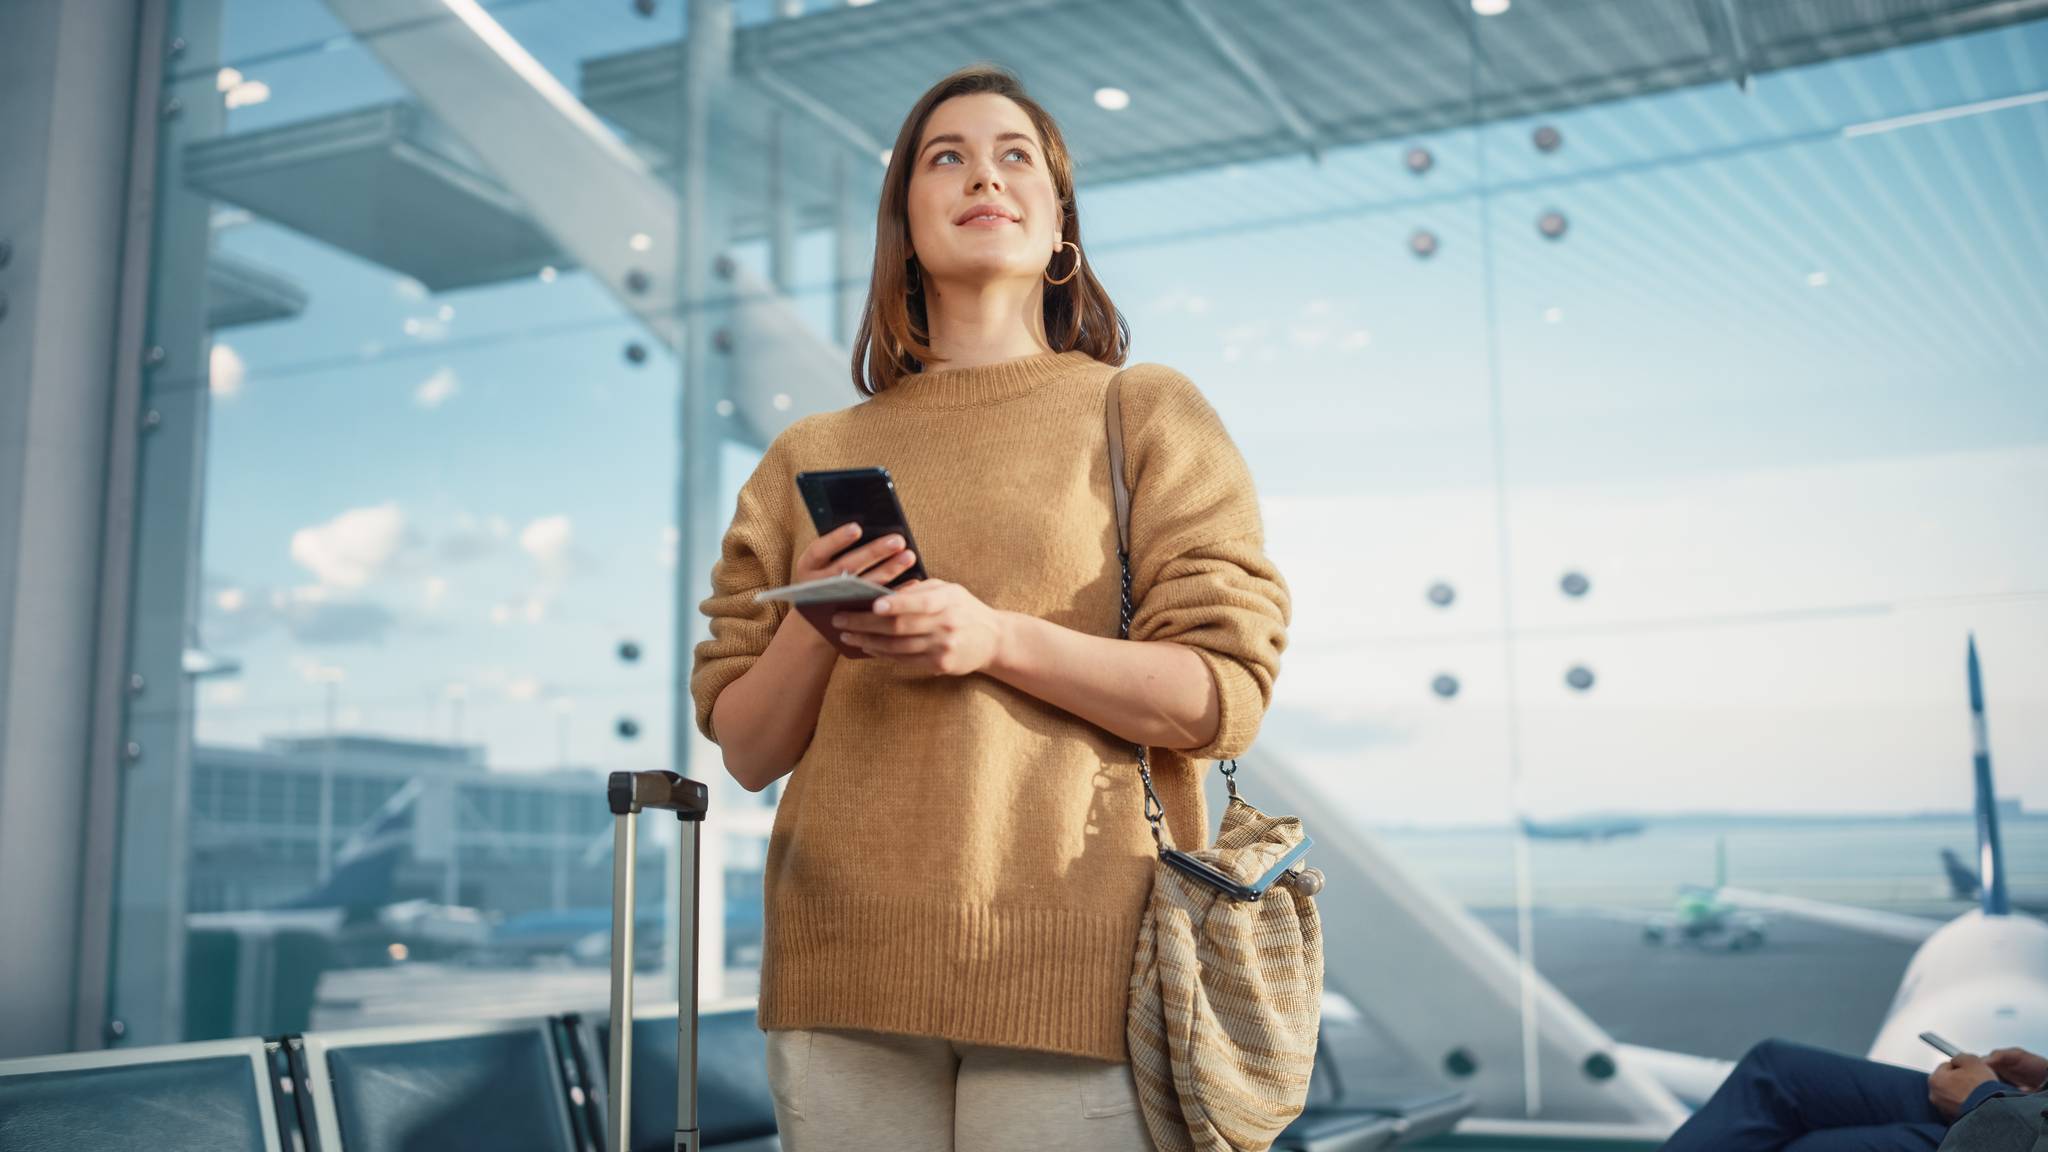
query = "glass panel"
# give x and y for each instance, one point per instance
(409, 499)
(1640, 452)
(1774, 428)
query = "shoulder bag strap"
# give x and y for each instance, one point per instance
(1113, 416)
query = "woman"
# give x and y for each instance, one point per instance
(960, 858)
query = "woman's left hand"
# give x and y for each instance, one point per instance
(931, 624)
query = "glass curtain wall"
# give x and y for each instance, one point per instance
(1640, 463)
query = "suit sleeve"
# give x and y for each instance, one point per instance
(1199, 571)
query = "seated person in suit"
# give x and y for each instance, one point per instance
(1799, 1099)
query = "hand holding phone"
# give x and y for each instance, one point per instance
(838, 573)
(881, 560)
(863, 496)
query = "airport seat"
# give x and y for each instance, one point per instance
(208, 1097)
(1379, 1119)
(1344, 1114)
(735, 1111)
(448, 1088)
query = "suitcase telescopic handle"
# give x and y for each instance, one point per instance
(628, 793)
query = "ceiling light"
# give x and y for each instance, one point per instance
(1489, 7)
(1112, 99)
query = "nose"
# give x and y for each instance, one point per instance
(985, 176)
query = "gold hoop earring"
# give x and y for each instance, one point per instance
(1077, 264)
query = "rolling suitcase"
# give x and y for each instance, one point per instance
(628, 793)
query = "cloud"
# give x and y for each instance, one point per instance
(225, 371)
(314, 672)
(327, 623)
(472, 539)
(350, 550)
(547, 539)
(436, 389)
(225, 693)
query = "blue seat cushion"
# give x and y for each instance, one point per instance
(205, 1105)
(498, 1090)
(733, 1100)
(1337, 1130)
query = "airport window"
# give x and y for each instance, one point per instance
(235, 785)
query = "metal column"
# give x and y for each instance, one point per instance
(68, 75)
(148, 983)
(705, 293)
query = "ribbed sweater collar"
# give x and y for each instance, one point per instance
(984, 384)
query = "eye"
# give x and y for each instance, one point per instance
(942, 155)
(1018, 152)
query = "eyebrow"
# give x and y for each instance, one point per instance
(956, 138)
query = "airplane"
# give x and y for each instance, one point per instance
(1700, 917)
(1980, 980)
(356, 909)
(582, 935)
(1591, 829)
(1964, 885)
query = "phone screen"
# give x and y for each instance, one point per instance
(866, 496)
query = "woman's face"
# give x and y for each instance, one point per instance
(982, 204)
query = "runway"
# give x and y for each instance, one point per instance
(1811, 983)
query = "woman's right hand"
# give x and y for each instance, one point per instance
(880, 560)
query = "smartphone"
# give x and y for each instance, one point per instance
(1940, 1045)
(866, 496)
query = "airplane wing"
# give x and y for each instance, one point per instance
(1890, 925)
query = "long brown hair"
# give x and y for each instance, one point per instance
(895, 335)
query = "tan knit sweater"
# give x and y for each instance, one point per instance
(952, 857)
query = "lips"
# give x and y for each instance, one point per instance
(986, 215)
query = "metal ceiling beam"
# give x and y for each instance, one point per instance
(1721, 20)
(587, 191)
(835, 30)
(1252, 73)
(796, 99)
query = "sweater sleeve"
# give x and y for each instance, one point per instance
(1199, 571)
(758, 553)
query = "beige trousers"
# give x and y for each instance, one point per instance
(839, 1091)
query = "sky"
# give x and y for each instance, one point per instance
(1778, 393)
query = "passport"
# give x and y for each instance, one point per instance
(817, 600)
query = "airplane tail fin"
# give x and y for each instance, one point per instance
(365, 871)
(1990, 855)
(1962, 879)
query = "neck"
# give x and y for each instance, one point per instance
(973, 324)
